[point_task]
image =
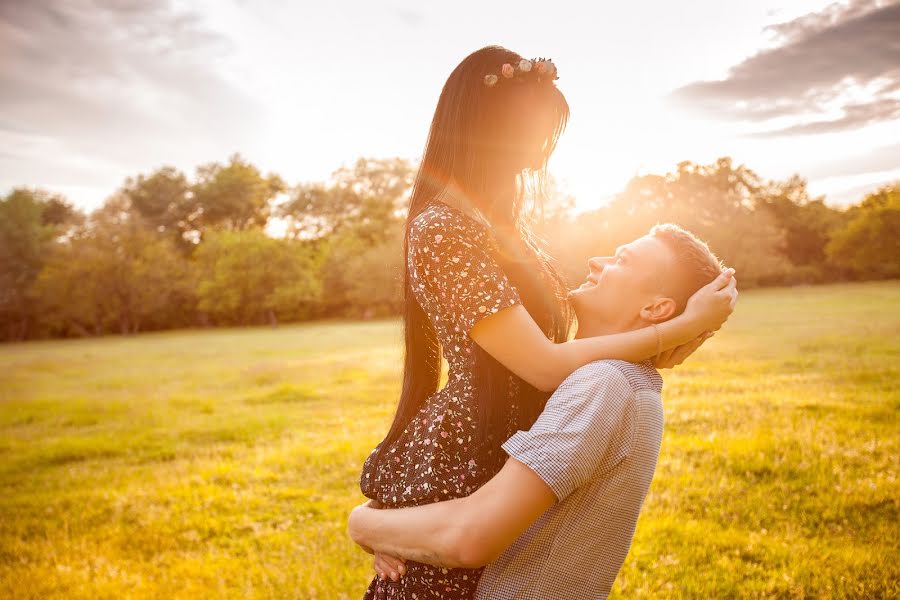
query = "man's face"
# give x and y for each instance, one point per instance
(617, 287)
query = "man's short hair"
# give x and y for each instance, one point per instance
(695, 263)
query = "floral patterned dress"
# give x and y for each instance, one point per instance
(457, 282)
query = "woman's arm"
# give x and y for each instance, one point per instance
(513, 338)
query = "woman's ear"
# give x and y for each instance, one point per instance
(659, 310)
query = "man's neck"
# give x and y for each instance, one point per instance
(593, 328)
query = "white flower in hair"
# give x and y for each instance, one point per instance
(524, 65)
(551, 68)
(490, 80)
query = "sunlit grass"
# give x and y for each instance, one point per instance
(223, 463)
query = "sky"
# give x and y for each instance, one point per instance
(95, 91)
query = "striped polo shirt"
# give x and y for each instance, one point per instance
(596, 446)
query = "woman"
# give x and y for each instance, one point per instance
(480, 291)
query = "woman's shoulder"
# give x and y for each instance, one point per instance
(439, 219)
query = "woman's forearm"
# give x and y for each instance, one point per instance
(515, 340)
(633, 346)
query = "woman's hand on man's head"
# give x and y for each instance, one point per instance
(711, 305)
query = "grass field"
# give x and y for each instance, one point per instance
(223, 463)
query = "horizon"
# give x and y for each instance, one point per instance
(93, 95)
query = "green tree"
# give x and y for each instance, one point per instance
(358, 217)
(869, 244)
(163, 199)
(807, 222)
(363, 279)
(366, 198)
(113, 274)
(246, 277)
(234, 196)
(30, 220)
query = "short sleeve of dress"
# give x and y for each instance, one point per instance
(453, 269)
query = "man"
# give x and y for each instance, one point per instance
(557, 521)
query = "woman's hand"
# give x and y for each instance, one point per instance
(711, 305)
(386, 566)
(675, 356)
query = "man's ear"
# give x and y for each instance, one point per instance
(659, 310)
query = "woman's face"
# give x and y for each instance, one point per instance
(533, 122)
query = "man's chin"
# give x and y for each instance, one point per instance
(583, 288)
(573, 295)
(577, 298)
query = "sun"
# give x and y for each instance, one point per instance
(606, 145)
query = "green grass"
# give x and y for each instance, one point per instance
(223, 463)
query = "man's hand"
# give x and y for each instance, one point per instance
(722, 290)
(465, 532)
(386, 566)
(677, 355)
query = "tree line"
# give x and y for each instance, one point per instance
(168, 251)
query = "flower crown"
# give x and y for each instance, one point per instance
(541, 69)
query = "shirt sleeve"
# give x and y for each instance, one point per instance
(585, 430)
(453, 269)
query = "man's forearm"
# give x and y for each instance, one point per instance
(464, 532)
(427, 534)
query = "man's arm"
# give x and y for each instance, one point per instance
(575, 436)
(464, 532)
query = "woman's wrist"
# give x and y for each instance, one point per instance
(678, 331)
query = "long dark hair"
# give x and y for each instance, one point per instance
(493, 144)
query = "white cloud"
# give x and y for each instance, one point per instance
(89, 89)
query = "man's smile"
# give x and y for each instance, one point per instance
(591, 281)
